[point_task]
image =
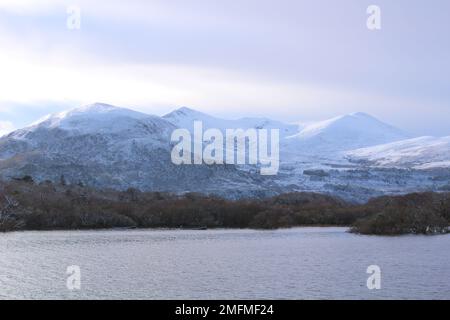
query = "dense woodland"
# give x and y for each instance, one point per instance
(26, 205)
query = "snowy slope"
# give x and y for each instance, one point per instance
(342, 133)
(78, 132)
(109, 147)
(98, 118)
(420, 153)
(185, 117)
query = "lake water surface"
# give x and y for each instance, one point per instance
(303, 263)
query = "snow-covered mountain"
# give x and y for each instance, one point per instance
(99, 118)
(419, 153)
(354, 156)
(106, 146)
(109, 131)
(347, 132)
(185, 118)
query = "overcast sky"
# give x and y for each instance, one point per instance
(291, 60)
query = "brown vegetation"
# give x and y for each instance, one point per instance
(25, 205)
(416, 213)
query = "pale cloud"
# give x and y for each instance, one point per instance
(6, 127)
(26, 80)
(188, 14)
(290, 60)
(158, 88)
(29, 6)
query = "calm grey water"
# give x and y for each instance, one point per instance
(304, 263)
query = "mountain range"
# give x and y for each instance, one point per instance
(355, 156)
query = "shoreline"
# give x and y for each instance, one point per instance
(348, 229)
(179, 229)
(25, 205)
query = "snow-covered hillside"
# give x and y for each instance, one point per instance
(185, 117)
(109, 147)
(100, 118)
(354, 156)
(342, 133)
(421, 153)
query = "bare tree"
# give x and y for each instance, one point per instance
(8, 220)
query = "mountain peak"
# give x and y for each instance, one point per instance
(95, 118)
(361, 115)
(346, 132)
(100, 110)
(97, 107)
(185, 117)
(184, 112)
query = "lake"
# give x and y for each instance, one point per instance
(301, 263)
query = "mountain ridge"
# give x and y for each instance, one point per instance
(346, 132)
(111, 147)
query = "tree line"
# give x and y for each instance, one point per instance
(26, 205)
